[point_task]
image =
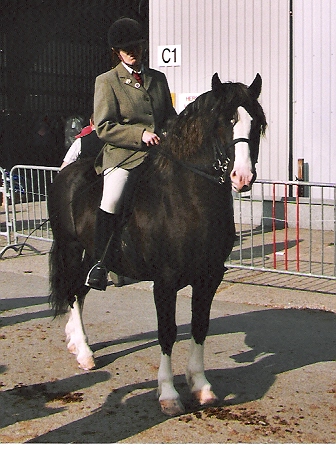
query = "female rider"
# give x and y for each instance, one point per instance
(132, 105)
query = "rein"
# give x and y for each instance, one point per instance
(221, 163)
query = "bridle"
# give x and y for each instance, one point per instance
(222, 159)
(221, 162)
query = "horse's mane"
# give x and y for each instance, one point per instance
(194, 127)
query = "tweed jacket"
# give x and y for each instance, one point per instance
(123, 110)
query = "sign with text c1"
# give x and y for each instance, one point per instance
(169, 55)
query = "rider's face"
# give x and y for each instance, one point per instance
(132, 55)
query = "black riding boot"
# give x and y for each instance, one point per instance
(104, 238)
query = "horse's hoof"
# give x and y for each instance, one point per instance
(172, 407)
(87, 364)
(205, 397)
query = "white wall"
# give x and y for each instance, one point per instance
(315, 87)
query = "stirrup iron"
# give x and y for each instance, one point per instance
(97, 277)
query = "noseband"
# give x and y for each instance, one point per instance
(220, 164)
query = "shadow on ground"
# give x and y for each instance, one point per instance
(279, 341)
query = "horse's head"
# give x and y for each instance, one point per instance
(240, 123)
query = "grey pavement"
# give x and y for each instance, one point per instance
(270, 356)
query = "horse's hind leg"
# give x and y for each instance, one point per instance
(77, 338)
(198, 383)
(75, 331)
(165, 301)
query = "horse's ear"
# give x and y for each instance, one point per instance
(216, 84)
(255, 87)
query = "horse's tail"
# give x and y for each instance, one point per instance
(72, 202)
(65, 274)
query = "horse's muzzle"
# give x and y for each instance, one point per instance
(243, 184)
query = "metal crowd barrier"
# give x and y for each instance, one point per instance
(287, 228)
(5, 224)
(28, 196)
(281, 227)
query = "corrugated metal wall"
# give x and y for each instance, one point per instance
(50, 55)
(315, 88)
(62, 76)
(237, 39)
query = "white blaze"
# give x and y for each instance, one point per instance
(242, 170)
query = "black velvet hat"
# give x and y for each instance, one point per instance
(125, 32)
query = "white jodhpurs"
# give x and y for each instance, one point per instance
(114, 183)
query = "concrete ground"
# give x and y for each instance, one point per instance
(270, 356)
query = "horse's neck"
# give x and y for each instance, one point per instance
(178, 187)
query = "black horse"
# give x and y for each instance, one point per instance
(179, 230)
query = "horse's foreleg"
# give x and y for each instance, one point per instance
(197, 381)
(165, 301)
(77, 339)
(168, 397)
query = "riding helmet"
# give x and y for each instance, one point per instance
(125, 32)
